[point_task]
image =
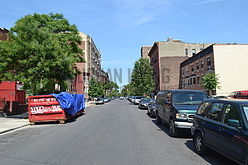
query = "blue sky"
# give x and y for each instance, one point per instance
(120, 27)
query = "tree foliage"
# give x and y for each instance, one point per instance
(210, 82)
(41, 49)
(111, 89)
(95, 89)
(142, 80)
(127, 90)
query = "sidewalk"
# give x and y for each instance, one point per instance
(18, 121)
(9, 124)
(89, 104)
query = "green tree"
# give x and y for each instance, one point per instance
(210, 82)
(95, 89)
(142, 81)
(127, 90)
(111, 89)
(41, 49)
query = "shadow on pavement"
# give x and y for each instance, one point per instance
(165, 127)
(70, 120)
(212, 157)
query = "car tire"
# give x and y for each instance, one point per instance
(158, 119)
(148, 113)
(173, 131)
(199, 144)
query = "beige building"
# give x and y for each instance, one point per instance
(92, 56)
(145, 51)
(165, 58)
(228, 61)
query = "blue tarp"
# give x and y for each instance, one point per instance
(70, 103)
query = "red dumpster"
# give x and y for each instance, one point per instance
(45, 108)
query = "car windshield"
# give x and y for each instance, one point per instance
(145, 100)
(245, 108)
(188, 98)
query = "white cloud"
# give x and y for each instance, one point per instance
(203, 2)
(138, 12)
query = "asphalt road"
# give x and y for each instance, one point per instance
(116, 133)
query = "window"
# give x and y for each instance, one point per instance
(192, 68)
(202, 64)
(208, 61)
(186, 52)
(245, 108)
(198, 80)
(188, 98)
(194, 81)
(215, 111)
(197, 67)
(193, 52)
(231, 115)
(191, 81)
(204, 107)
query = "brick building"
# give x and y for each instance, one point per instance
(3, 34)
(166, 57)
(228, 61)
(92, 66)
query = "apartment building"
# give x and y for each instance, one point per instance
(92, 56)
(228, 61)
(166, 57)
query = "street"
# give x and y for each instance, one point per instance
(116, 133)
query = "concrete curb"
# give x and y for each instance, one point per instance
(12, 129)
(21, 125)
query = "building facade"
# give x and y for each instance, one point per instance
(166, 57)
(145, 51)
(104, 77)
(228, 61)
(4, 34)
(92, 65)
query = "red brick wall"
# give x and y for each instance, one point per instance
(192, 78)
(4, 34)
(154, 61)
(170, 72)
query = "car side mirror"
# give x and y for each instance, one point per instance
(233, 123)
(167, 100)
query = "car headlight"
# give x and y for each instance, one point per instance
(182, 116)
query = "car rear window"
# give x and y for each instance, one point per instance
(245, 108)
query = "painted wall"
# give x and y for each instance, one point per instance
(231, 63)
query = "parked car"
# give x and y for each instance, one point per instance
(177, 108)
(143, 103)
(121, 98)
(220, 97)
(239, 95)
(137, 99)
(132, 99)
(222, 125)
(151, 110)
(106, 100)
(99, 101)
